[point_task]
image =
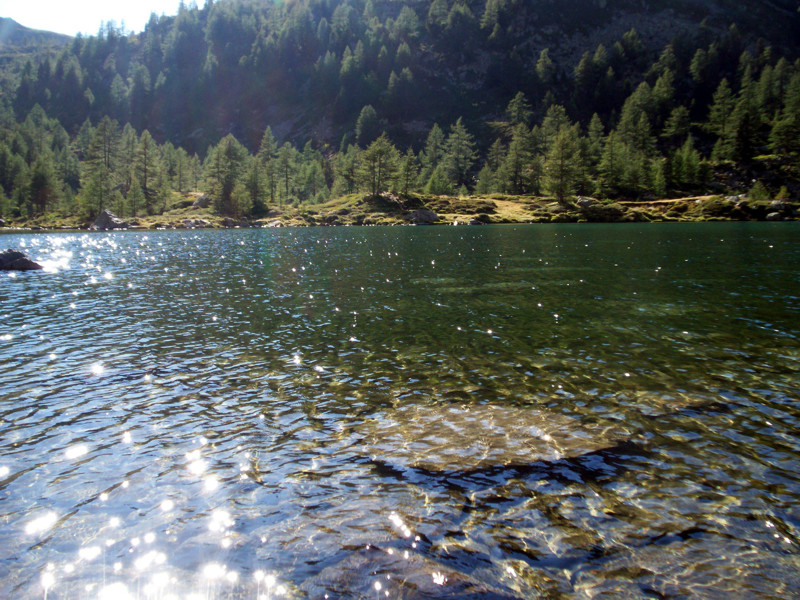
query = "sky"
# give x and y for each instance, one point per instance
(85, 16)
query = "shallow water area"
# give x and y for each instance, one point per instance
(416, 412)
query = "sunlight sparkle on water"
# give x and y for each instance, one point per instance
(214, 571)
(90, 553)
(47, 580)
(220, 521)
(4, 471)
(115, 591)
(210, 483)
(198, 467)
(41, 524)
(97, 369)
(152, 558)
(76, 451)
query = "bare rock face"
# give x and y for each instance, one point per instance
(108, 221)
(14, 260)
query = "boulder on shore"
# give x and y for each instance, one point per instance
(14, 260)
(108, 221)
(422, 217)
(196, 224)
(203, 201)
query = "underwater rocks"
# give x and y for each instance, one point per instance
(372, 572)
(467, 437)
(14, 260)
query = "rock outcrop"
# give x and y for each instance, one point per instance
(108, 221)
(14, 260)
(422, 217)
(203, 201)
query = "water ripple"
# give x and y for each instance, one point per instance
(504, 413)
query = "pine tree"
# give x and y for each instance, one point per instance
(266, 156)
(347, 167)
(659, 168)
(148, 168)
(515, 169)
(255, 189)
(595, 141)
(562, 164)
(519, 110)
(486, 181)
(612, 163)
(226, 164)
(545, 69)
(100, 179)
(438, 183)
(719, 120)
(367, 126)
(459, 154)
(408, 172)
(378, 166)
(433, 152)
(285, 168)
(43, 188)
(677, 126)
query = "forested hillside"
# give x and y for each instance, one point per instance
(271, 103)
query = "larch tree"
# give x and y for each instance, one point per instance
(562, 164)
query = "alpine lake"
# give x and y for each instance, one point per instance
(498, 412)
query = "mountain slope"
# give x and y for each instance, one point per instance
(307, 68)
(14, 36)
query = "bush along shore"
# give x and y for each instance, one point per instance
(392, 209)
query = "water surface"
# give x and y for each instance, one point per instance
(486, 412)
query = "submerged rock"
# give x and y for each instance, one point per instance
(14, 260)
(371, 572)
(108, 221)
(466, 437)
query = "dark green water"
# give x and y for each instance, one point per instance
(486, 412)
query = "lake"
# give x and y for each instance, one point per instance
(500, 412)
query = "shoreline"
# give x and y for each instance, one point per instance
(390, 210)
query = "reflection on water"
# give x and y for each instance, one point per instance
(498, 412)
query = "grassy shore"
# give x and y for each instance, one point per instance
(389, 209)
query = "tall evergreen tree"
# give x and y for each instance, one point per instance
(562, 165)
(226, 165)
(378, 166)
(459, 154)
